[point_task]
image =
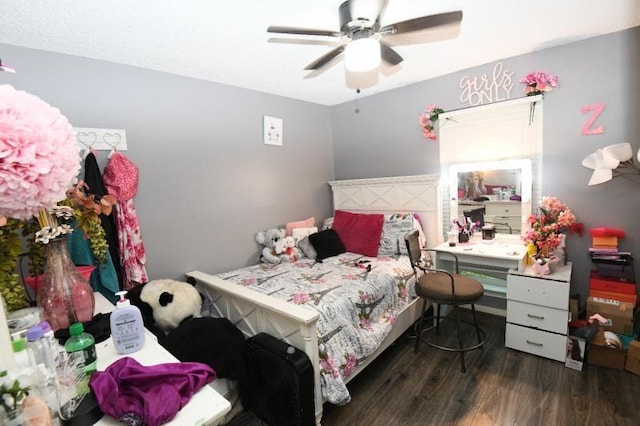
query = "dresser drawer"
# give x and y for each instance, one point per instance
(512, 221)
(503, 209)
(536, 342)
(538, 291)
(541, 317)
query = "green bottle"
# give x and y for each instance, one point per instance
(81, 356)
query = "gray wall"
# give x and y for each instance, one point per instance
(208, 184)
(207, 181)
(384, 138)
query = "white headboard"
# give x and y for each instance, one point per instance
(419, 194)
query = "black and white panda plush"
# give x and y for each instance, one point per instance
(172, 311)
(165, 304)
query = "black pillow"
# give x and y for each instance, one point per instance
(327, 243)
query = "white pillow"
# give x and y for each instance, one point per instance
(394, 229)
(300, 233)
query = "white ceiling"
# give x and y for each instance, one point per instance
(225, 41)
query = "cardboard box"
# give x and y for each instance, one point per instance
(620, 325)
(622, 297)
(615, 284)
(621, 314)
(598, 353)
(607, 307)
(633, 357)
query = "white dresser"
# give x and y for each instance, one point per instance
(538, 312)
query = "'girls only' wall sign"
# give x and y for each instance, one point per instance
(487, 88)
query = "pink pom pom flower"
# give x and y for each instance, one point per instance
(39, 158)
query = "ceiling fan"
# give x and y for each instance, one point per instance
(360, 28)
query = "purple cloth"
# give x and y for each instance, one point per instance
(129, 391)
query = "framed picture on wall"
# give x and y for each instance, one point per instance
(272, 131)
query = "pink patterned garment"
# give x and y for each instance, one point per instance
(131, 246)
(121, 180)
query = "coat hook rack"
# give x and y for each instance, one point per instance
(101, 139)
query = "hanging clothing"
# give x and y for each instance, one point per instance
(93, 178)
(121, 180)
(104, 278)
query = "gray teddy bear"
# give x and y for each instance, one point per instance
(274, 248)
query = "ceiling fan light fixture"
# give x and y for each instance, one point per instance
(362, 55)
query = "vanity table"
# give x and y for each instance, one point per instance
(488, 261)
(206, 407)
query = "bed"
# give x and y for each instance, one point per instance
(256, 298)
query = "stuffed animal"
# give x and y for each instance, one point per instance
(273, 242)
(291, 250)
(172, 311)
(165, 304)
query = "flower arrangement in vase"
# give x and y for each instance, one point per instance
(38, 198)
(548, 229)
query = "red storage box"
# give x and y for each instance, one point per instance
(614, 284)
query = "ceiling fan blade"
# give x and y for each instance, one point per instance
(389, 55)
(422, 23)
(326, 58)
(303, 31)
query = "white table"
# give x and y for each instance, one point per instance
(206, 407)
(488, 261)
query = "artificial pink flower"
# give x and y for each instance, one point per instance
(39, 157)
(427, 120)
(539, 82)
(546, 228)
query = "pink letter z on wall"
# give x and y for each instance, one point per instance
(597, 110)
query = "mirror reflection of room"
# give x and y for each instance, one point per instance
(494, 193)
(490, 185)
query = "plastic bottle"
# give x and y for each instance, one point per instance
(127, 327)
(24, 361)
(25, 367)
(81, 354)
(81, 362)
(45, 375)
(41, 350)
(53, 343)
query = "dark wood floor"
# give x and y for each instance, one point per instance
(501, 387)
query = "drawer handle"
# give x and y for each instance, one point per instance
(534, 343)
(535, 316)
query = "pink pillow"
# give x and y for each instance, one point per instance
(307, 223)
(360, 233)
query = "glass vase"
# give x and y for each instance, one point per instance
(65, 296)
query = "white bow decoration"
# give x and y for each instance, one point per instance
(613, 160)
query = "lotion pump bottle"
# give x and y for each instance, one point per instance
(127, 327)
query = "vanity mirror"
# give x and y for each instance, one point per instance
(497, 191)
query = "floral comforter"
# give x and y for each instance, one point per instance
(357, 297)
